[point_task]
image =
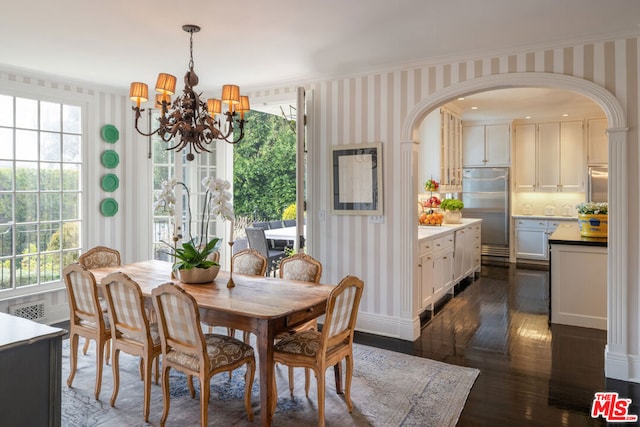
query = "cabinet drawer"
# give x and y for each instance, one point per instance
(536, 224)
(426, 246)
(443, 243)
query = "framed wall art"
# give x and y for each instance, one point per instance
(356, 179)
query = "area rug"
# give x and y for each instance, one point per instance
(388, 389)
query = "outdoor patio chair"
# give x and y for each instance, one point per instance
(258, 241)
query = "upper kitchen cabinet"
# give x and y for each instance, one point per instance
(549, 157)
(486, 145)
(598, 143)
(440, 150)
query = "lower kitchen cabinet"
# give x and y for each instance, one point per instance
(532, 237)
(446, 258)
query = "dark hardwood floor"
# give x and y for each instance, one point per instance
(531, 373)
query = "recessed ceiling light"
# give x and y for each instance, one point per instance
(565, 115)
(527, 117)
(461, 98)
(474, 108)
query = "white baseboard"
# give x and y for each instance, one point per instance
(621, 366)
(394, 327)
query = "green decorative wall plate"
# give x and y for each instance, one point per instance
(109, 207)
(110, 159)
(110, 182)
(110, 133)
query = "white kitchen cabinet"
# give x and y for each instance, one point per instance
(549, 157)
(442, 266)
(597, 142)
(426, 272)
(486, 145)
(436, 268)
(460, 257)
(532, 237)
(525, 148)
(476, 248)
(467, 252)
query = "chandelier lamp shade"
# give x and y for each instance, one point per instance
(186, 121)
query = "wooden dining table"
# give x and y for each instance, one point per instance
(265, 306)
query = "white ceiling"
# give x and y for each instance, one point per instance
(257, 44)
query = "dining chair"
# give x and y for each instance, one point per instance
(258, 241)
(186, 349)
(131, 331)
(249, 261)
(289, 222)
(86, 319)
(321, 350)
(306, 269)
(278, 244)
(98, 257)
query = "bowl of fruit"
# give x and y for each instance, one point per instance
(431, 219)
(431, 203)
(431, 185)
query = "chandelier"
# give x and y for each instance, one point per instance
(193, 123)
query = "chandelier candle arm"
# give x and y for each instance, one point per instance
(187, 121)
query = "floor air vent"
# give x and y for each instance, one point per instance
(32, 310)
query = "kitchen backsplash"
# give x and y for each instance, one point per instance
(558, 204)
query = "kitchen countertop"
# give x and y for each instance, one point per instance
(569, 234)
(425, 231)
(550, 217)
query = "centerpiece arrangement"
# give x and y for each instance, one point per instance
(194, 261)
(593, 219)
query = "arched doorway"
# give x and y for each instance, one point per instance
(616, 364)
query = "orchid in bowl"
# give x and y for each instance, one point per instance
(196, 252)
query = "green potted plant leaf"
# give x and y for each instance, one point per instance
(192, 263)
(452, 210)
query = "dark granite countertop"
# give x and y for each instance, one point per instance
(569, 234)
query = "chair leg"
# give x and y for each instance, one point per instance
(192, 390)
(73, 358)
(248, 383)
(147, 385)
(347, 382)
(115, 368)
(85, 347)
(307, 380)
(157, 363)
(205, 388)
(291, 381)
(321, 390)
(100, 351)
(165, 394)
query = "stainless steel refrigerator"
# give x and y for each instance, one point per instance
(485, 194)
(597, 184)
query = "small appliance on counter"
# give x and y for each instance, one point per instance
(527, 209)
(550, 209)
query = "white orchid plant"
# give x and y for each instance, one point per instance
(195, 252)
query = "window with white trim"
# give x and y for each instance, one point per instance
(40, 190)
